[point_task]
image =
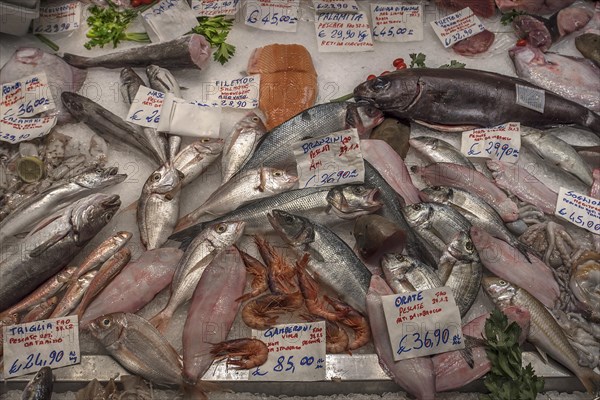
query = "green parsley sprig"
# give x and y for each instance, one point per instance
(108, 25)
(453, 64)
(417, 60)
(508, 17)
(215, 30)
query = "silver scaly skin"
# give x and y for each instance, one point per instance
(407, 274)
(163, 80)
(196, 157)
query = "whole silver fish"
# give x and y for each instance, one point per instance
(324, 205)
(56, 198)
(196, 157)
(201, 252)
(557, 151)
(73, 295)
(163, 80)
(544, 332)
(240, 144)
(332, 261)
(40, 386)
(436, 150)
(51, 246)
(158, 207)
(138, 347)
(407, 274)
(574, 136)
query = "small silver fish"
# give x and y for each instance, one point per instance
(162, 79)
(40, 386)
(407, 274)
(240, 144)
(196, 157)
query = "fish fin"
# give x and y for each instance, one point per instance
(590, 380)
(21, 235)
(52, 240)
(43, 223)
(542, 354)
(447, 128)
(161, 320)
(198, 390)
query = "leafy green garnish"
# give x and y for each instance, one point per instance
(215, 30)
(417, 60)
(453, 64)
(108, 25)
(507, 380)
(508, 17)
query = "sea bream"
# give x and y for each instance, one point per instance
(196, 157)
(453, 99)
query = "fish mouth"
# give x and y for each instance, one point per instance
(374, 199)
(112, 201)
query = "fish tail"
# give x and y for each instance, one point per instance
(199, 389)
(161, 320)
(77, 61)
(590, 380)
(593, 122)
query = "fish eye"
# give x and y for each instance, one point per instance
(221, 228)
(106, 322)
(416, 207)
(156, 177)
(99, 170)
(436, 188)
(380, 84)
(277, 173)
(502, 283)
(205, 140)
(255, 119)
(108, 217)
(469, 246)
(357, 189)
(289, 219)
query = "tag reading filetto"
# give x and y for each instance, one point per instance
(340, 33)
(397, 23)
(502, 142)
(423, 323)
(456, 27)
(296, 353)
(51, 342)
(239, 93)
(579, 209)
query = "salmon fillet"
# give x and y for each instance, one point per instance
(279, 58)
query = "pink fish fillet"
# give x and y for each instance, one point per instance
(508, 263)
(391, 167)
(451, 370)
(414, 375)
(447, 174)
(211, 313)
(136, 285)
(522, 184)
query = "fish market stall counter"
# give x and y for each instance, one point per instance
(127, 195)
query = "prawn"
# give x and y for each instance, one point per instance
(259, 283)
(281, 273)
(241, 353)
(336, 339)
(261, 313)
(353, 320)
(309, 288)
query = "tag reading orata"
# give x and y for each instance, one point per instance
(50, 343)
(532, 98)
(28, 96)
(423, 323)
(296, 353)
(211, 8)
(273, 15)
(339, 6)
(502, 142)
(57, 19)
(185, 118)
(579, 209)
(333, 159)
(397, 23)
(239, 93)
(168, 20)
(15, 130)
(146, 107)
(456, 27)
(337, 33)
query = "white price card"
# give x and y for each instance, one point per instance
(15, 130)
(338, 32)
(185, 118)
(456, 27)
(239, 93)
(532, 98)
(211, 8)
(397, 22)
(47, 343)
(273, 15)
(28, 96)
(579, 209)
(333, 159)
(168, 20)
(296, 353)
(146, 107)
(502, 142)
(58, 19)
(339, 6)
(423, 323)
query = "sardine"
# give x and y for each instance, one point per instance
(162, 79)
(246, 187)
(461, 98)
(201, 252)
(40, 386)
(333, 263)
(544, 333)
(138, 347)
(136, 285)
(158, 207)
(407, 274)
(240, 144)
(57, 197)
(50, 247)
(196, 157)
(73, 295)
(188, 51)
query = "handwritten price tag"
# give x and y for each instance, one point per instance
(239, 93)
(57, 19)
(51, 342)
(210, 8)
(330, 160)
(397, 23)
(532, 98)
(273, 15)
(26, 97)
(168, 20)
(343, 32)
(296, 353)
(423, 323)
(145, 108)
(502, 142)
(579, 209)
(339, 6)
(15, 130)
(456, 27)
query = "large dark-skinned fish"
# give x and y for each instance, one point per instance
(450, 99)
(189, 51)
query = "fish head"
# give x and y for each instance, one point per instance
(40, 387)
(224, 234)
(462, 248)
(352, 201)
(418, 214)
(152, 71)
(90, 214)
(108, 328)
(208, 145)
(277, 180)
(75, 104)
(395, 265)
(294, 229)
(65, 274)
(166, 181)
(424, 144)
(500, 291)
(396, 90)
(129, 76)
(437, 194)
(252, 121)
(363, 117)
(100, 178)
